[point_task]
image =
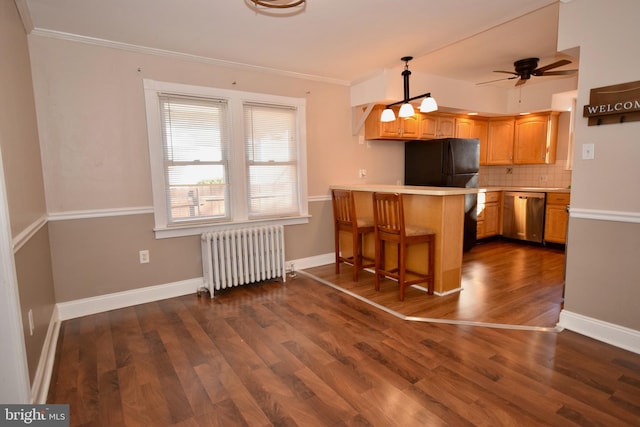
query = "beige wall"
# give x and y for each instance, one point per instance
(604, 234)
(94, 140)
(33, 268)
(99, 256)
(24, 184)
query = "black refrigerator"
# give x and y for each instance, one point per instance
(449, 162)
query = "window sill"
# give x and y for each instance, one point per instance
(197, 229)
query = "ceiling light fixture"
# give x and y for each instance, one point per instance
(278, 4)
(406, 110)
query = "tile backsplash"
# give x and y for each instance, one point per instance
(555, 175)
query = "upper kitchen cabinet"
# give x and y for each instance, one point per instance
(500, 141)
(535, 140)
(474, 128)
(401, 129)
(434, 126)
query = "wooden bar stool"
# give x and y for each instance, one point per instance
(345, 219)
(388, 217)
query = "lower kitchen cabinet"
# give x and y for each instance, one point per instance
(556, 217)
(489, 214)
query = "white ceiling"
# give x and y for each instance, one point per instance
(341, 40)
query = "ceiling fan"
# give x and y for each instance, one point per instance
(528, 67)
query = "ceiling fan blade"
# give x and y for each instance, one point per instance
(506, 72)
(557, 73)
(497, 80)
(550, 66)
(520, 82)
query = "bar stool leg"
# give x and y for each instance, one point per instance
(402, 253)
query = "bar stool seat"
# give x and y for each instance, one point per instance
(347, 220)
(389, 225)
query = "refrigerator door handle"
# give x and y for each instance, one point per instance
(452, 159)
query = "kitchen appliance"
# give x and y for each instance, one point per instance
(523, 216)
(448, 162)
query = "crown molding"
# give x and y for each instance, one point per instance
(59, 35)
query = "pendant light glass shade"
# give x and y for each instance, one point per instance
(428, 105)
(388, 115)
(406, 110)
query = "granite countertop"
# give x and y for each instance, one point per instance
(532, 189)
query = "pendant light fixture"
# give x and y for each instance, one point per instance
(406, 110)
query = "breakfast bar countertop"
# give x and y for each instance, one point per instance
(440, 209)
(407, 189)
(533, 189)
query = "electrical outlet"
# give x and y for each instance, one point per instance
(543, 178)
(144, 256)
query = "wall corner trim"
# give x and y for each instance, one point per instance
(616, 335)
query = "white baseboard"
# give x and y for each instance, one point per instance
(42, 379)
(616, 335)
(314, 261)
(102, 303)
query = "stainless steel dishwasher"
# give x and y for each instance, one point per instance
(523, 216)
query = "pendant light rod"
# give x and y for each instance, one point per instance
(424, 95)
(405, 77)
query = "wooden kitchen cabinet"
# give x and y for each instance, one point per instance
(474, 128)
(556, 217)
(535, 139)
(434, 126)
(489, 214)
(500, 141)
(400, 129)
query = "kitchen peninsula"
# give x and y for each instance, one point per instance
(438, 208)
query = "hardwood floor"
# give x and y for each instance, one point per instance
(503, 282)
(306, 354)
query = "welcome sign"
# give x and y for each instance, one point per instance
(613, 104)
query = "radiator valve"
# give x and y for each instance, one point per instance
(292, 270)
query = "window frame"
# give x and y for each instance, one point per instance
(238, 193)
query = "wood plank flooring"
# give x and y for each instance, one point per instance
(503, 282)
(305, 354)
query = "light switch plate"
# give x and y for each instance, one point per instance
(588, 152)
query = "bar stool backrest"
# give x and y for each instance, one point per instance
(388, 213)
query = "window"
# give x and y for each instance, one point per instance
(195, 144)
(221, 157)
(271, 159)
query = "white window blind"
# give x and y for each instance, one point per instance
(271, 147)
(196, 145)
(224, 158)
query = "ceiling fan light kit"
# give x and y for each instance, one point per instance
(406, 110)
